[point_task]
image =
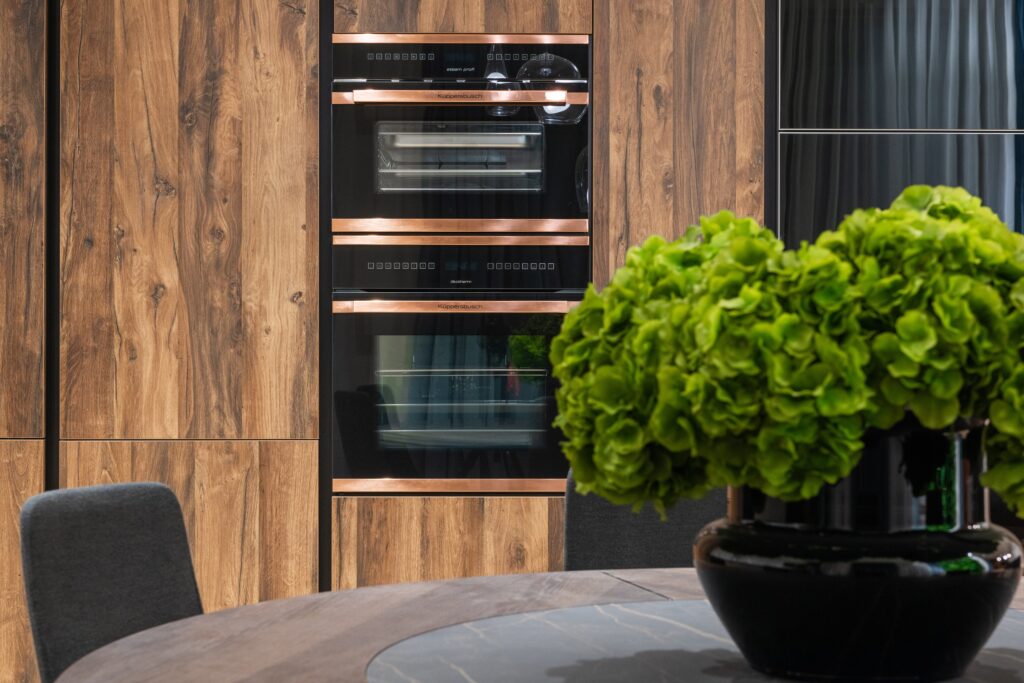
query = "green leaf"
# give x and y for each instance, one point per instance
(1017, 295)
(917, 336)
(934, 412)
(945, 383)
(1006, 418)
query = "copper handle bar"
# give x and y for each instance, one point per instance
(461, 240)
(460, 225)
(460, 97)
(450, 486)
(450, 306)
(463, 38)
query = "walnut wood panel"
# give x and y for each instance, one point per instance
(678, 100)
(22, 224)
(382, 540)
(250, 507)
(21, 476)
(189, 205)
(462, 16)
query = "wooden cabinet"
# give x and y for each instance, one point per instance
(394, 539)
(22, 220)
(189, 214)
(250, 507)
(22, 308)
(462, 16)
(678, 107)
(21, 477)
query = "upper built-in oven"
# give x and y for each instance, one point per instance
(461, 127)
(461, 162)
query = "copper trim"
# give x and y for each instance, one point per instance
(459, 97)
(451, 306)
(461, 240)
(448, 486)
(343, 307)
(463, 38)
(460, 225)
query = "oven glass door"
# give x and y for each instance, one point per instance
(445, 389)
(487, 156)
(449, 161)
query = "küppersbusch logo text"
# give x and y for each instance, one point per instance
(460, 96)
(460, 307)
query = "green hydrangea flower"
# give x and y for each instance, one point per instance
(724, 359)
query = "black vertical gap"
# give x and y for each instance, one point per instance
(52, 234)
(590, 148)
(324, 300)
(771, 116)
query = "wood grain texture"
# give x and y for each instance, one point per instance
(462, 16)
(22, 221)
(250, 507)
(21, 476)
(333, 636)
(678, 112)
(189, 200)
(395, 539)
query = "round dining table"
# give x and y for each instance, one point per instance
(337, 636)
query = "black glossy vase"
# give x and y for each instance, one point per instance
(893, 574)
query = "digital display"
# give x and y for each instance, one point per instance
(517, 56)
(401, 265)
(400, 56)
(518, 265)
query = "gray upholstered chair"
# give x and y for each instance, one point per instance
(101, 563)
(599, 535)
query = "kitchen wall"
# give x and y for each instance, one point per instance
(188, 278)
(188, 274)
(22, 307)
(678, 118)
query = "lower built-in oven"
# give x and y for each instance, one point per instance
(431, 390)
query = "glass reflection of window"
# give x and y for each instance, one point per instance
(462, 391)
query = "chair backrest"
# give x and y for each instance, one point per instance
(101, 563)
(600, 535)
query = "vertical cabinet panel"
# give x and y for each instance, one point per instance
(384, 539)
(462, 16)
(678, 118)
(188, 220)
(21, 476)
(22, 228)
(250, 507)
(288, 521)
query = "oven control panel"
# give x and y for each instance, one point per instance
(416, 61)
(397, 268)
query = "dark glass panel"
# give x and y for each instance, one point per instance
(396, 267)
(357, 160)
(823, 177)
(904, 64)
(445, 396)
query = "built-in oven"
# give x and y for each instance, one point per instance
(460, 238)
(431, 388)
(461, 127)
